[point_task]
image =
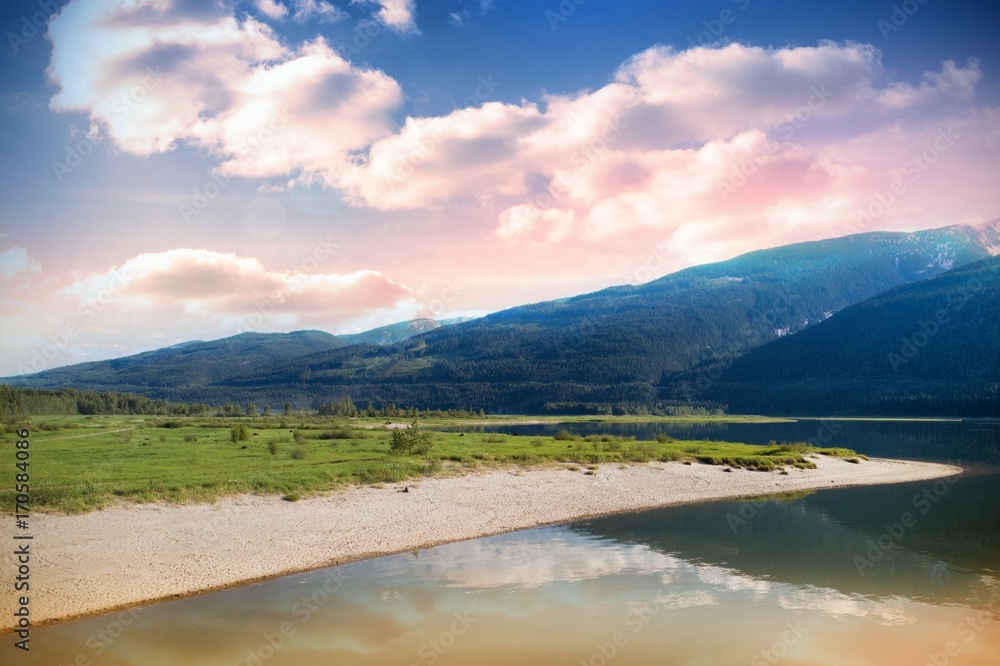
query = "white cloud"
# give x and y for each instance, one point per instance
(319, 11)
(667, 147)
(156, 78)
(395, 14)
(725, 149)
(234, 292)
(16, 262)
(272, 8)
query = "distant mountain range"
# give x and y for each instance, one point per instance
(689, 336)
(199, 363)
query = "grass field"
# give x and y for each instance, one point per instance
(81, 463)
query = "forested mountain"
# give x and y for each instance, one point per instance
(627, 346)
(393, 333)
(931, 347)
(199, 363)
(195, 363)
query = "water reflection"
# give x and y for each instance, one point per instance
(684, 585)
(552, 595)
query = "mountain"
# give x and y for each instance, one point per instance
(924, 348)
(187, 364)
(199, 363)
(630, 346)
(393, 333)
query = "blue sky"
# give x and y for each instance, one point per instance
(455, 157)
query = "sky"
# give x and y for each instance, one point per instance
(191, 169)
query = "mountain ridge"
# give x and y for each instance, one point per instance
(627, 344)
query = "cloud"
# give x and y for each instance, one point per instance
(156, 76)
(395, 14)
(716, 150)
(317, 10)
(478, 8)
(234, 292)
(15, 262)
(272, 8)
(721, 150)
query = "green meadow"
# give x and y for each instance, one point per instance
(83, 463)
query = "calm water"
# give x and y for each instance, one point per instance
(904, 574)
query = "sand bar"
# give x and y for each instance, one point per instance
(129, 555)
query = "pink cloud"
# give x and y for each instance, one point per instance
(226, 288)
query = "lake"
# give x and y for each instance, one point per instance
(901, 574)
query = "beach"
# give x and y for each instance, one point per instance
(134, 554)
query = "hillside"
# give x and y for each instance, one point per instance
(924, 348)
(628, 345)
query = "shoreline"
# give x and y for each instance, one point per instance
(96, 563)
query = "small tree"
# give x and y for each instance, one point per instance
(238, 433)
(399, 442)
(413, 439)
(423, 440)
(251, 409)
(288, 409)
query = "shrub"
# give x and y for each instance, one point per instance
(564, 435)
(298, 453)
(337, 433)
(190, 438)
(292, 497)
(239, 433)
(413, 439)
(662, 438)
(272, 446)
(639, 453)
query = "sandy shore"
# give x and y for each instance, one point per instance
(125, 556)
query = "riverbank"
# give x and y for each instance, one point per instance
(130, 555)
